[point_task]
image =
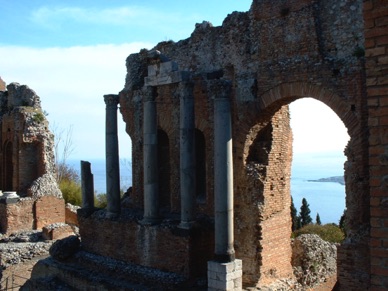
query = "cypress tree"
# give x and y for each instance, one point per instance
(342, 224)
(294, 216)
(305, 217)
(318, 219)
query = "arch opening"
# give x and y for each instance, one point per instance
(266, 198)
(164, 170)
(200, 170)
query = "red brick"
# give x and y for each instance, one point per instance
(369, 23)
(384, 119)
(379, 252)
(378, 211)
(382, 60)
(376, 13)
(49, 210)
(376, 270)
(382, 40)
(377, 31)
(383, 80)
(377, 91)
(382, 21)
(377, 51)
(368, 5)
(375, 201)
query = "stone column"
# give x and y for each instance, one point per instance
(112, 156)
(225, 272)
(87, 186)
(223, 179)
(187, 155)
(150, 159)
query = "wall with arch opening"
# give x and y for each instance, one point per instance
(272, 55)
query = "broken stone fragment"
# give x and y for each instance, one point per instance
(65, 248)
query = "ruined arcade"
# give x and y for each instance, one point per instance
(30, 197)
(212, 145)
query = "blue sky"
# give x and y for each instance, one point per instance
(73, 52)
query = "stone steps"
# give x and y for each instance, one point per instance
(86, 271)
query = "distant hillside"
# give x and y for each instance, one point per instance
(336, 179)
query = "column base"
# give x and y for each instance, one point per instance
(112, 215)
(150, 221)
(224, 276)
(186, 225)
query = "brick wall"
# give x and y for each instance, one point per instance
(16, 217)
(48, 210)
(376, 44)
(164, 246)
(272, 55)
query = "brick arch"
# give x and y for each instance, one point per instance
(283, 93)
(271, 103)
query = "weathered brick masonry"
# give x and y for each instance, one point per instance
(376, 51)
(270, 56)
(27, 164)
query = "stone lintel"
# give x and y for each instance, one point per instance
(224, 276)
(167, 78)
(168, 67)
(162, 68)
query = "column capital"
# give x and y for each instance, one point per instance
(186, 90)
(111, 99)
(149, 94)
(220, 89)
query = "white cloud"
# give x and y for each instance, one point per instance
(71, 83)
(53, 17)
(316, 127)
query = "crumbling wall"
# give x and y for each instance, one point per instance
(272, 55)
(376, 44)
(15, 217)
(25, 127)
(165, 246)
(27, 162)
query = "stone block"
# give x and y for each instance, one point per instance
(71, 214)
(153, 70)
(56, 231)
(225, 276)
(168, 67)
(167, 78)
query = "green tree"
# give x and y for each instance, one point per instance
(305, 217)
(342, 222)
(294, 216)
(318, 219)
(66, 176)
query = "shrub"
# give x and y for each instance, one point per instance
(38, 117)
(328, 232)
(71, 191)
(101, 200)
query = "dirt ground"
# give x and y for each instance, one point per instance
(15, 276)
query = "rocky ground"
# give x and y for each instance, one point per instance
(314, 262)
(18, 254)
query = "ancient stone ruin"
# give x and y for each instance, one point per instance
(212, 149)
(30, 196)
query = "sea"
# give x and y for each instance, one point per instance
(325, 198)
